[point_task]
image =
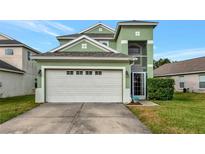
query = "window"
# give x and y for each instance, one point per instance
(84, 46)
(29, 55)
(137, 33)
(98, 72)
(69, 72)
(134, 49)
(79, 72)
(9, 51)
(202, 81)
(88, 72)
(106, 43)
(181, 82)
(100, 29)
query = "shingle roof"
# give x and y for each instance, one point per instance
(182, 67)
(90, 35)
(4, 65)
(137, 21)
(10, 42)
(84, 54)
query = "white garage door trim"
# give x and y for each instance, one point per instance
(63, 88)
(124, 91)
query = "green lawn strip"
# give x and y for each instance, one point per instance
(13, 106)
(184, 114)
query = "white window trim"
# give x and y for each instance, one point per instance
(137, 33)
(100, 29)
(84, 46)
(199, 82)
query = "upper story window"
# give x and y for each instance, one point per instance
(84, 46)
(100, 29)
(134, 48)
(202, 81)
(29, 55)
(106, 43)
(137, 33)
(9, 51)
(181, 82)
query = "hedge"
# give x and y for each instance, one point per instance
(160, 89)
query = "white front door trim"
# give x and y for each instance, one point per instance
(43, 68)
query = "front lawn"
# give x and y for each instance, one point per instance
(184, 114)
(13, 106)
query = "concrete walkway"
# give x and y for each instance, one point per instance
(78, 118)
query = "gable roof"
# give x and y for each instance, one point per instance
(190, 66)
(6, 36)
(83, 56)
(98, 24)
(9, 68)
(93, 36)
(105, 48)
(133, 23)
(14, 43)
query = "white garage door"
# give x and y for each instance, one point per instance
(64, 86)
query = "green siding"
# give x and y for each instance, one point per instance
(146, 33)
(112, 44)
(78, 48)
(86, 63)
(95, 30)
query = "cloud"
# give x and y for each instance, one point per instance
(181, 54)
(47, 27)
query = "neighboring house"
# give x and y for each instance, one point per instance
(187, 74)
(17, 70)
(99, 64)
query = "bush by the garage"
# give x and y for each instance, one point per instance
(160, 89)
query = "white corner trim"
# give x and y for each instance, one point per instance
(99, 24)
(87, 38)
(43, 69)
(124, 41)
(150, 42)
(150, 65)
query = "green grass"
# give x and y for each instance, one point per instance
(185, 114)
(13, 106)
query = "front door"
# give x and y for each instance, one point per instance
(139, 84)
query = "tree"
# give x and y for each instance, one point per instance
(160, 62)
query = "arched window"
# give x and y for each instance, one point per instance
(134, 49)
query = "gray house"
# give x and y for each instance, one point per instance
(187, 74)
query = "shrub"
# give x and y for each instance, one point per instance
(160, 89)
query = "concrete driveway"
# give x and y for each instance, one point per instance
(75, 118)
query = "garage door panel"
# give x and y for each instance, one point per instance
(61, 87)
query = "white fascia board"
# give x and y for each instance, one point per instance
(12, 71)
(103, 25)
(77, 58)
(96, 38)
(84, 37)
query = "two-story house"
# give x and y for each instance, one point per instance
(17, 71)
(99, 64)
